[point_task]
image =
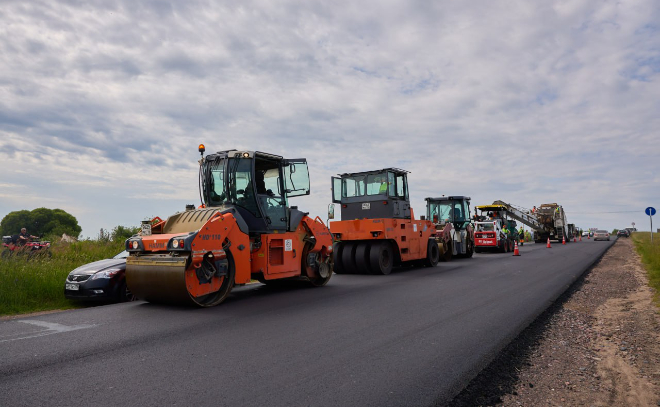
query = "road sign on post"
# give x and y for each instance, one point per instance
(651, 211)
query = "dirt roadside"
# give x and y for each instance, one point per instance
(599, 345)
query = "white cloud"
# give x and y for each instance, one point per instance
(103, 104)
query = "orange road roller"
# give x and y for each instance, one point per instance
(244, 230)
(378, 229)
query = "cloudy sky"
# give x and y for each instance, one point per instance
(103, 103)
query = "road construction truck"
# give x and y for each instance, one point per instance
(451, 217)
(378, 229)
(547, 221)
(244, 230)
(554, 226)
(490, 225)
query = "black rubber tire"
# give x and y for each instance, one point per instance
(317, 281)
(381, 258)
(470, 248)
(348, 258)
(124, 293)
(432, 254)
(449, 252)
(337, 266)
(477, 250)
(219, 296)
(362, 250)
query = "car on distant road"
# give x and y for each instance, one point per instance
(585, 233)
(601, 235)
(623, 233)
(102, 280)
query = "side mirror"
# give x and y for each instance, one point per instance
(331, 211)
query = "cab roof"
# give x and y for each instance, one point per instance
(397, 171)
(243, 153)
(449, 198)
(491, 207)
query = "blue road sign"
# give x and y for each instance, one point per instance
(650, 211)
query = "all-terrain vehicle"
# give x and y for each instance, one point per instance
(32, 248)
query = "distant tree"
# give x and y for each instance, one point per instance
(40, 222)
(614, 231)
(12, 223)
(120, 233)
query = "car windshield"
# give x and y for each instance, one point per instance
(121, 255)
(601, 231)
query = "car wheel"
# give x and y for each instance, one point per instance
(124, 294)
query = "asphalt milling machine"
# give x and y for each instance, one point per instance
(547, 222)
(245, 229)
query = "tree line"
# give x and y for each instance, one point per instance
(55, 222)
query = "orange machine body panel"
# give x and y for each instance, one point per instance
(278, 256)
(411, 236)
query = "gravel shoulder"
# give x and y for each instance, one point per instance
(598, 345)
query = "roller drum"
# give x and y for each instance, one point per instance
(159, 279)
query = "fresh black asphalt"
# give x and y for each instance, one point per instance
(415, 337)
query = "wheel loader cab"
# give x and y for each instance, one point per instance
(452, 209)
(256, 185)
(372, 194)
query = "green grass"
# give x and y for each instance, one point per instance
(37, 284)
(650, 257)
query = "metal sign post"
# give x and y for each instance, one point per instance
(651, 211)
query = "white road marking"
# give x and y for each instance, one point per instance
(49, 329)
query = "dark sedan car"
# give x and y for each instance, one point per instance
(623, 233)
(101, 280)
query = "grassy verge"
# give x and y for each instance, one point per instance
(38, 284)
(650, 257)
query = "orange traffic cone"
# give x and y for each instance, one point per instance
(515, 249)
(548, 246)
(589, 237)
(563, 240)
(574, 239)
(580, 237)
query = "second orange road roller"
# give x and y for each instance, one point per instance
(244, 230)
(378, 229)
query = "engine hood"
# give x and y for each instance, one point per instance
(92, 268)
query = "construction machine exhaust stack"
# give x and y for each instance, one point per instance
(244, 229)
